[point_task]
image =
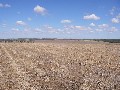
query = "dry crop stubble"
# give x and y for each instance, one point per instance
(59, 66)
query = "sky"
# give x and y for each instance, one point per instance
(70, 19)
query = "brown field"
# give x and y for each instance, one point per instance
(59, 66)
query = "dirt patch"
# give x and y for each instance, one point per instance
(59, 66)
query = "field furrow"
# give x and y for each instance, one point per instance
(59, 66)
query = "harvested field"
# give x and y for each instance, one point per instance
(59, 66)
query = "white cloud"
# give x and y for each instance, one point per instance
(99, 30)
(15, 29)
(103, 26)
(71, 29)
(4, 25)
(29, 19)
(49, 29)
(4, 5)
(66, 21)
(46, 29)
(112, 10)
(52, 29)
(92, 24)
(21, 23)
(7, 5)
(37, 30)
(80, 28)
(77, 28)
(91, 17)
(40, 10)
(26, 30)
(113, 29)
(91, 31)
(89, 28)
(67, 29)
(1, 5)
(115, 20)
(118, 16)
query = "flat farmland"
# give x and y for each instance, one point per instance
(59, 66)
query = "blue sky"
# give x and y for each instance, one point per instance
(60, 19)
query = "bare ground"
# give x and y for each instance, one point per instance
(59, 66)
